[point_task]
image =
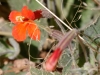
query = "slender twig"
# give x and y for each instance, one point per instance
(54, 15)
(5, 33)
(83, 48)
(63, 15)
(97, 2)
(60, 25)
(76, 13)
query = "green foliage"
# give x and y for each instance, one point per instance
(38, 72)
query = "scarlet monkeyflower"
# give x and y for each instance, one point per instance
(24, 23)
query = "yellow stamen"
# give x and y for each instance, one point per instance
(19, 18)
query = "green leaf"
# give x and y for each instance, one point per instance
(87, 13)
(18, 4)
(35, 71)
(65, 58)
(92, 34)
(67, 68)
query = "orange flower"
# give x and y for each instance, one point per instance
(24, 23)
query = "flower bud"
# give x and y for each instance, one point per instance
(51, 62)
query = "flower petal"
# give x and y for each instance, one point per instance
(19, 32)
(13, 15)
(33, 31)
(51, 62)
(38, 14)
(27, 13)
